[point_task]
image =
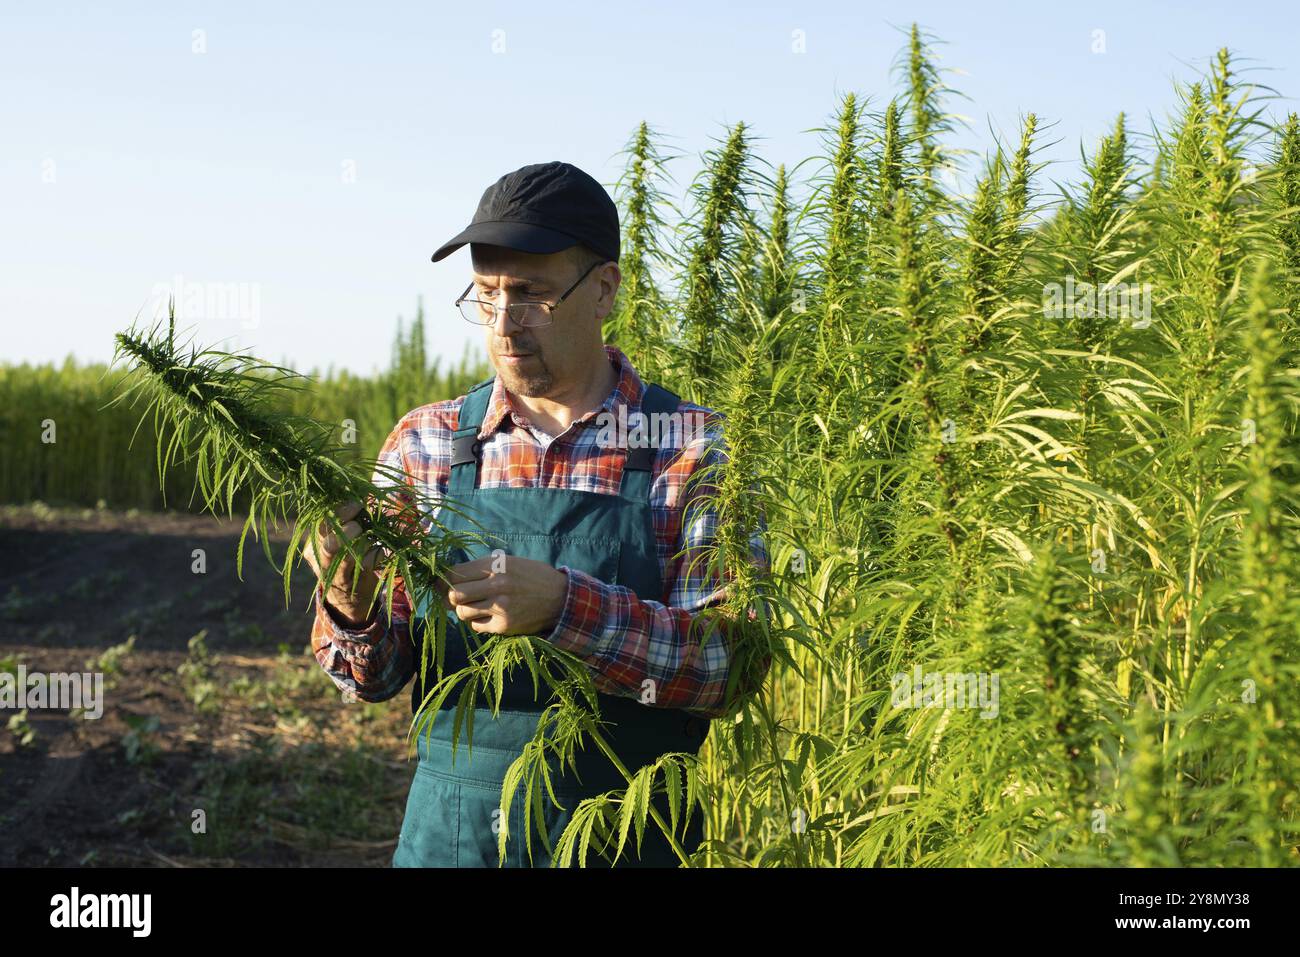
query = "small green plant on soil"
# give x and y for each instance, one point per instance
(196, 675)
(110, 661)
(140, 743)
(23, 733)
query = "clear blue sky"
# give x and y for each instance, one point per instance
(129, 159)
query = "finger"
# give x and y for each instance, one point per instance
(470, 571)
(343, 513)
(466, 593)
(315, 553)
(348, 581)
(343, 573)
(474, 611)
(348, 532)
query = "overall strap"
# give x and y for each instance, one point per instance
(637, 468)
(465, 445)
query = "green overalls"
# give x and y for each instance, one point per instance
(452, 813)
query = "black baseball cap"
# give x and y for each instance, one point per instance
(543, 208)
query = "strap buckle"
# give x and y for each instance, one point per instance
(465, 447)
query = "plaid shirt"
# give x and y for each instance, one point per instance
(624, 639)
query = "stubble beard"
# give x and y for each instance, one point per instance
(533, 384)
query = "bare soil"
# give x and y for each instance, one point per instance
(239, 730)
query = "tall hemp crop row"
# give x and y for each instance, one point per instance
(66, 445)
(1035, 445)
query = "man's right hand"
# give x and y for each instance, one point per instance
(320, 549)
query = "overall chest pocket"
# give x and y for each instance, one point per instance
(598, 557)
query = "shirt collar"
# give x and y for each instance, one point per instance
(627, 391)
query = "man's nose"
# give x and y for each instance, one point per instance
(503, 325)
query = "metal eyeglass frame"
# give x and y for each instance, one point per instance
(550, 306)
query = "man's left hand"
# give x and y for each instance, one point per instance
(507, 595)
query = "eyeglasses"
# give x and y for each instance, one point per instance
(483, 313)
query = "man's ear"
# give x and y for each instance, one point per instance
(610, 279)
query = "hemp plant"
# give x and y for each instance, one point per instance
(223, 414)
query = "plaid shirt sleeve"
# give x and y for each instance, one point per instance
(375, 661)
(687, 655)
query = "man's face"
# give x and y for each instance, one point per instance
(543, 361)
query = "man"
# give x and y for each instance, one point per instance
(598, 544)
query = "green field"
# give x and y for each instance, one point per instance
(1027, 463)
(92, 459)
